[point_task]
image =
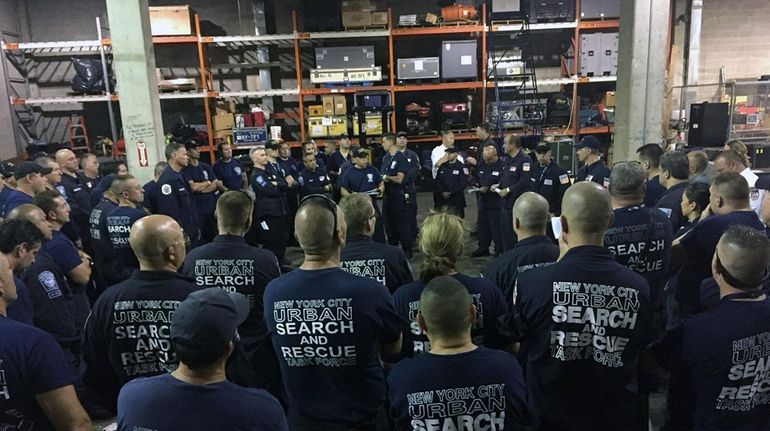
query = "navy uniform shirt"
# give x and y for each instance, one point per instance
(58, 309)
(128, 334)
(313, 182)
(413, 172)
(79, 199)
(671, 204)
(586, 320)
(364, 180)
(532, 252)
(152, 403)
(393, 165)
(289, 166)
(89, 183)
(336, 160)
(63, 251)
(98, 191)
(653, 190)
(31, 363)
(516, 175)
(724, 353)
(640, 239)
(230, 172)
(452, 178)
(205, 203)
(100, 239)
(487, 298)
(15, 198)
(122, 260)
(480, 389)
(550, 181)
(597, 172)
(232, 265)
(382, 262)
(151, 191)
(271, 198)
(21, 310)
(176, 201)
(327, 327)
(486, 175)
(4, 193)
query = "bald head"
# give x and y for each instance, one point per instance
(744, 253)
(587, 209)
(445, 306)
(67, 160)
(314, 227)
(530, 213)
(34, 214)
(155, 238)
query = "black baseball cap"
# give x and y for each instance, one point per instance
(272, 145)
(401, 134)
(25, 168)
(208, 319)
(6, 169)
(359, 152)
(543, 147)
(589, 141)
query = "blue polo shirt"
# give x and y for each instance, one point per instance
(230, 172)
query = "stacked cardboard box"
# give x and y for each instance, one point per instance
(223, 120)
(362, 13)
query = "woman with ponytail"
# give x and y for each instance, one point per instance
(441, 243)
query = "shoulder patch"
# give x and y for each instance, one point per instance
(48, 281)
(589, 177)
(261, 180)
(465, 171)
(61, 190)
(166, 189)
(564, 179)
(513, 169)
(238, 170)
(525, 167)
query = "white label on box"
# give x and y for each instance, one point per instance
(448, 46)
(418, 65)
(371, 125)
(466, 60)
(345, 58)
(317, 130)
(326, 121)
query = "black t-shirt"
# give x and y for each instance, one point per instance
(550, 181)
(327, 327)
(586, 320)
(480, 389)
(487, 174)
(725, 353)
(232, 265)
(151, 191)
(122, 260)
(128, 334)
(487, 298)
(271, 198)
(597, 172)
(653, 190)
(382, 262)
(78, 197)
(100, 239)
(516, 175)
(637, 247)
(526, 254)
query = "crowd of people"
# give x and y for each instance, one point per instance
(172, 305)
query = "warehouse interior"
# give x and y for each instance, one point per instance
(661, 58)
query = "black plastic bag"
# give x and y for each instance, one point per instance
(89, 76)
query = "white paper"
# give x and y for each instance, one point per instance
(317, 130)
(448, 46)
(466, 60)
(418, 65)
(556, 226)
(264, 226)
(326, 121)
(345, 58)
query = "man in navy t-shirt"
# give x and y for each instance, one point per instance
(36, 384)
(203, 330)
(230, 170)
(674, 173)
(30, 180)
(728, 205)
(121, 259)
(330, 329)
(313, 179)
(456, 385)
(649, 157)
(19, 242)
(586, 320)
(724, 352)
(151, 189)
(362, 256)
(176, 198)
(205, 188)
(395, 202)
(361, 177)
(127, 334)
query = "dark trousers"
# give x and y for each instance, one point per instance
(398, 231)
(379, 226)
(411, 215)
(208, 225)
(275, 237)
(507, 235)
(489, 229)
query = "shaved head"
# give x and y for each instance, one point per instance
(34, 214)
(445, 307)
(744, 253)
(314, 225)
(587, 208)
(152, 236)
(530, 212)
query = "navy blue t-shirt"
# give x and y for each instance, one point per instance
(151, 191)
(175, 200)
(153, 403)
(586, 320)
(653, 190)
(724, 353)
(15, 198)
(4, 193)
(21, 310)
(327, 327)
(356, 180)
(670, 203)
(205, 203)
(480, 389)
(122, 258)
(532, 252)
(63, 251)
(487, 298)
(393, 165)
(230, 172)
(31, 363)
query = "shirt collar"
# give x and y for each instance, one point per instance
(539, 239)
(588, 251)
(229, 239)
(156, 275)
(359, 238)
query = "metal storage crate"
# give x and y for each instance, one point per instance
(459, 59)
(418, 68)
(345, 57)
(557, 10)
(590, 9)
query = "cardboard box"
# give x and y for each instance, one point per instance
(171, 21)
(357, 6)
(315, 111)
(327, 126)
(340, 105)
(356, 19)
(328, 105)
(225, 121)
(224, 107)
(431, 18)
(373, 124)
(379, 18)
(223, 134)
(609, 99)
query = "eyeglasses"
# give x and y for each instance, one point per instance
(328, 204)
